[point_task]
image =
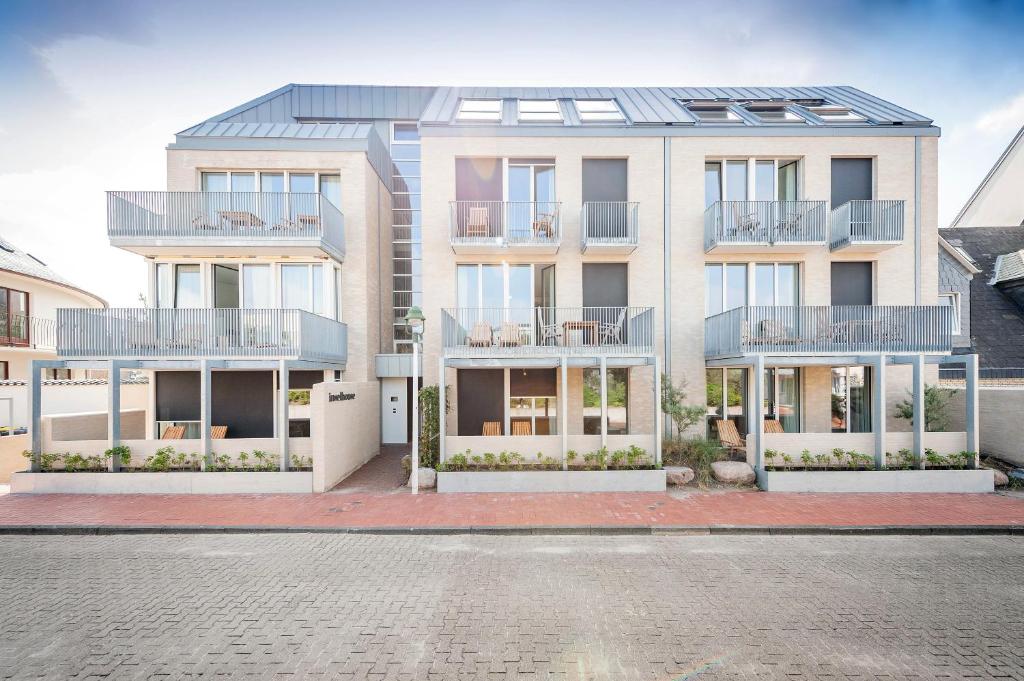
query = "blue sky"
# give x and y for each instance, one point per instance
(91, 92)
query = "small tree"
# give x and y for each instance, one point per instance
(936, 408)
(673, 398)
(430, 424)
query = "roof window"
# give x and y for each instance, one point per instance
(835, 113)
(713, 112)
(599, 111)
(773, 113)
(539, 111)
(479, 110)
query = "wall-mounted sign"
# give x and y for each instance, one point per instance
(340, 397)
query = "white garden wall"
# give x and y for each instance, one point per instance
(344, 429)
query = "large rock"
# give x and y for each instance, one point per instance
(428, 479)
(1001, 479)
(733, 472)
(678, 475)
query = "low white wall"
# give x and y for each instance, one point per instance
(344, 429)
(69, 399)
(526, 445)
(1000, 412)
(965, 481)
(59, 429)
(552, 481)
(163, 483)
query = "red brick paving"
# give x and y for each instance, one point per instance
(363, 510)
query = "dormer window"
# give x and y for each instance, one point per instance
(834, 113)
(771, 113)
(539, 111)
(479, 111)
(713, 112)
(599, 111)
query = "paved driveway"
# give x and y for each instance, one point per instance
(497, 607)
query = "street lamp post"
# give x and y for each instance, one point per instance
(415, 320)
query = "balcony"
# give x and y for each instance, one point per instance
(828, 330)
(867, 225)
(609, 227)
(24, 331)
(206, 333)
(752, 226)
(544, 331)
(225, 223)
(481, 227)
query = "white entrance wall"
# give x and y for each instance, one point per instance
(344, 429)
(394, 403)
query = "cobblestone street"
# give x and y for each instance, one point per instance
(497, 607)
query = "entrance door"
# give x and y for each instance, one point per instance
(394, 399)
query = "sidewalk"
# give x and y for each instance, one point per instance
(729, 511)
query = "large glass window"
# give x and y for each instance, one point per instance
(330, 187)
(736, 180)
(533, 415)
(776, 284)
(712, 183)
(782, 397)
(788, 180)
(225, 286)
(725, 285)
(165, 285)
(618, 401)
(301, 183)
(406, 221)
(187, 287)
(271, 182)
(764, 180)
(14, 316)
(243, 182)
(257, 287)
(302, 287)
(215, 182)
(726, 398)
(851, 400)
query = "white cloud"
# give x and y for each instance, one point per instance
(1005, 119)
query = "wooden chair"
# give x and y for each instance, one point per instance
(522, 428)
(773, 426)
(218, 432)
(481, 336)
(173, 433)
(544, 226)
(549, 334)
(730, 438)
(492, 428)
(510, 335)
(611, 334)
(479, 222)
(747, 222)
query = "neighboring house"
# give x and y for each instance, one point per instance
(994, 306)
(30, 293)
(776, 248)
(956, 274)
(998, 201)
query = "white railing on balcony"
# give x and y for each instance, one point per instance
(609, 223)
(494, 331)
(765, 222)
(198, 333)
(866, 222)
(829, 329)
(25, 331)
(506, 223)
(232, 215)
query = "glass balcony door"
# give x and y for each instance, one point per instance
(531, 196)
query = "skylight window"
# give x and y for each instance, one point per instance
(599, 111)
(710, 112)
(539, 111)
(479, 110)
(774, 114)
(834, 113)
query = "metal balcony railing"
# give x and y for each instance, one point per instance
(765, 222)
(825, 329)
(25, 331)
(496, 331)
(871, 222)
(506, 223)
(199, 333)
(203, 216)
(609, 223)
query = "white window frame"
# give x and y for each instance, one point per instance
(533, 409)
(868, 379)
(955, 297)
(836, 113)
(750, 272)
(612, 113)
(788, 115)
(539, 111)
(732, 118)
(478, 110)
(506, 294)
(752, 162)
(268, 171)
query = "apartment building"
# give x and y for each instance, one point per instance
(774, 248)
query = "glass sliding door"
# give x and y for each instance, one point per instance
(712, 183)
(225, 286)
(851, 399)
(788, 180)
(735, 180)
(257, 287)
(726, 398)
(764, 180)
(782, 397)
(531, 197)
(187, 287)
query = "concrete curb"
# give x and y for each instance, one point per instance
(606, 530)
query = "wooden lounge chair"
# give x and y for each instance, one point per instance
(479, 222)
(522, 428)
(509, 336)
(481, 336)
(492, 428)
(773, 426)
(730, 438)
(544, 226)
(611, 334)
(218, 432)
(173, 433)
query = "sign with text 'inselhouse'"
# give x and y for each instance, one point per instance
(340, 397)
